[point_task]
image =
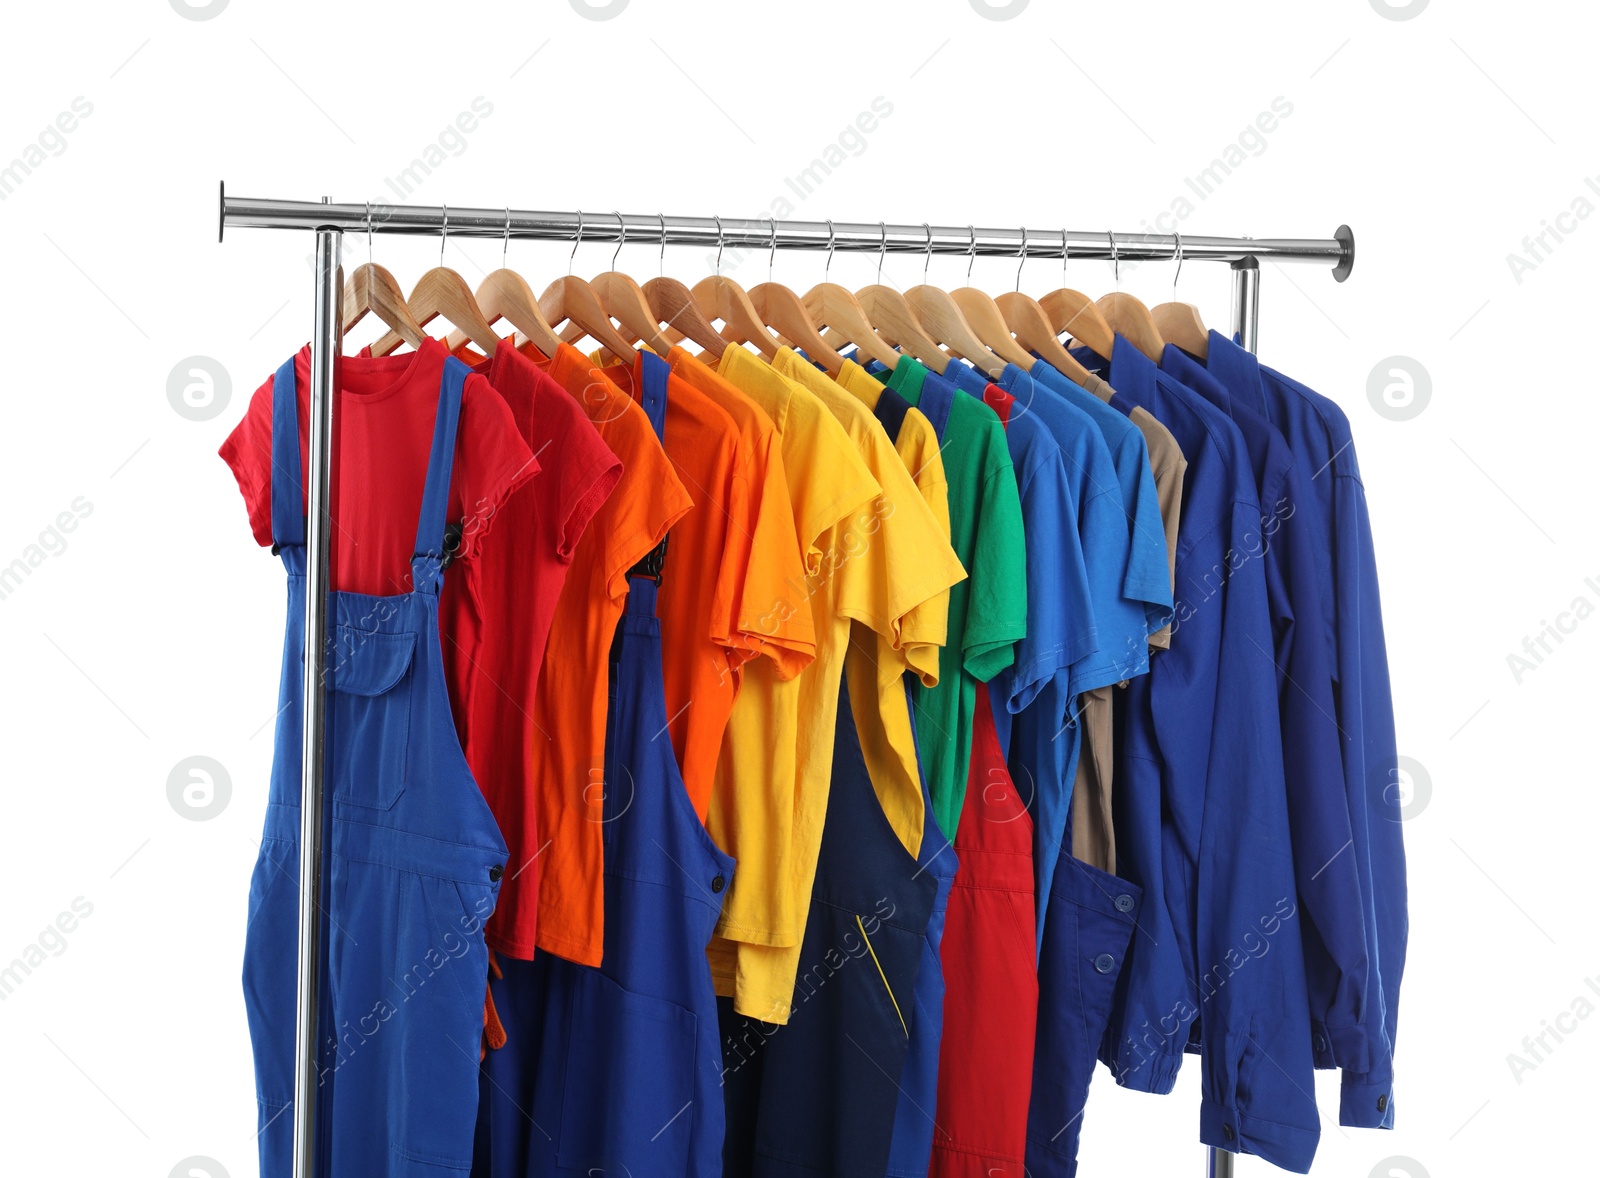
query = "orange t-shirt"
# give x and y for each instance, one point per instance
(708, 624)
(555, 897)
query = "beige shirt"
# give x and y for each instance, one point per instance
(1168, 465)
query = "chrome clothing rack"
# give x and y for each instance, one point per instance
(329, 221)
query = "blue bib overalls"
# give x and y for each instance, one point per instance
(616, 1071)
(413, 862)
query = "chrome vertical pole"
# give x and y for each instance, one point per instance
(1246, 301)
(324, 351)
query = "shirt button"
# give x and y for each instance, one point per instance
(718, 884)
(1383, 1102)
(1319, 1043)
(496, 872)
(1105, 962)
(1227, 1131)
(1124, 903)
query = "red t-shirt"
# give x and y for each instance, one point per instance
(496, 621)
(383, 418)
(1001, 402)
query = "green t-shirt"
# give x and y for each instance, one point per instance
(989, 610)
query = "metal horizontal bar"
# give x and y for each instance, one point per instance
(757, 234)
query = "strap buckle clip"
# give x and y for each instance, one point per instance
(651, 564)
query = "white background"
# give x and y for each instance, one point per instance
(154, 635)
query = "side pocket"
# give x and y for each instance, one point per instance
(369, 715)
(628, 1104)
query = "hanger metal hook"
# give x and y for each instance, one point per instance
(1063, 257)
(927, 255)
(661, 262)
(622, 237)
(444, 229)
(718, 220)
(828, 265)
(772, 247)
(577, 240)
(972, 251)
(1177, 239)
(505, 242)
(883, 248)
(1022, 257)
(1116, 260)
(369, 233)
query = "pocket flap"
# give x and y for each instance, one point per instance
(366, 662)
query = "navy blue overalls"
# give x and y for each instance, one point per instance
(616, 1071)
(818, 1096)
(413, 865)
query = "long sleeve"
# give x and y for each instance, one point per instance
(1257, 1091)
(1325, 860)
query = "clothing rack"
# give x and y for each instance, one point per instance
(329, 221)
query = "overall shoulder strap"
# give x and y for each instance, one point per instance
(434, 546)
(645, 577)
(288, 491)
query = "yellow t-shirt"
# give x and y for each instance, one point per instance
(925, 628)
(753, 799)
(878, 657)
(871, 565)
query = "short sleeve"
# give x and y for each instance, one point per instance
(492, 461)
(248, 452)
(774, 614)
(926, 627)
(997, 613)
(581, 469)
(1058, 586)
(1149, 576)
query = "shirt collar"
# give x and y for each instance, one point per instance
(966, 377)
(1237, 369)
(1132, 373)
(938, 395)
(1187, 371)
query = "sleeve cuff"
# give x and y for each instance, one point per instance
(1289, 1147)
(1365, 1102)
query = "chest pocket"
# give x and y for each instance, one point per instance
(369, 715)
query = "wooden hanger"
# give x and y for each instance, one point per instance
(625, 302)
(372, 288)
(1180, 323)
(569, 299)
(847, 317)
(672, 303)
(894, 322)
(724, 299)
(1030, 323)
(1131, 319)
(1074, 313)
(443, 292)
(942, 319)
(939, 316)
(504, 294)
(987, 322)
(780, 309)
